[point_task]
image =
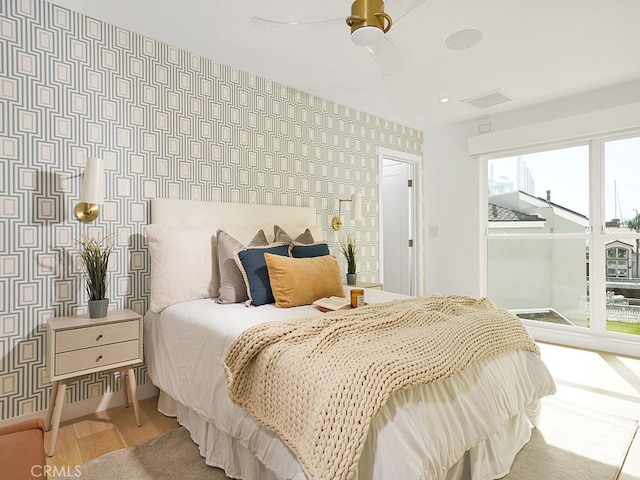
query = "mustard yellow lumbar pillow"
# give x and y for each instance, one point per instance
(302, 281)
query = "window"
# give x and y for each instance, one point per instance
(617, 252)
(617, 263)
(562, 257)
(617, 269)
(538, 207)
(622, 234)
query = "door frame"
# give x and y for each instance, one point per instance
(415, 161)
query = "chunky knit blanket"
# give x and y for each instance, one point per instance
(318, 382)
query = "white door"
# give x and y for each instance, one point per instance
(398, 227)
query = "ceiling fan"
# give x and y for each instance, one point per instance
(369, 25)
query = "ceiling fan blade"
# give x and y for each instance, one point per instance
(387, 56)
(399, 8)
(266, 22)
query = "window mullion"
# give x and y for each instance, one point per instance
(597, 256)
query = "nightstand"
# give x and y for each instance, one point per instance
(377, 286)
(79, 345)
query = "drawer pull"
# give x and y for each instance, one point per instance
(98, 338)
(99, 358)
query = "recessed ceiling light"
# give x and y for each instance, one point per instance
(463, 39)
(444, 100)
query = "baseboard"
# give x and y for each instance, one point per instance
(89, 406)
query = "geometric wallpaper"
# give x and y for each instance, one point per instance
(168, 123)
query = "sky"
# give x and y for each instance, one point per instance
(566, 173)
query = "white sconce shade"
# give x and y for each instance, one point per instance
(356, 207)
(93, 182)
(92, 193)
(356, 211)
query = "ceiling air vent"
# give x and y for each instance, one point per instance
(489, 99)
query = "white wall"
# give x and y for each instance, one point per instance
(452, 177)
(451, 186)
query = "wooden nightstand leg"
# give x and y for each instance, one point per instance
(123, 386)
(134, 395)
(57, 414)
(52, 403)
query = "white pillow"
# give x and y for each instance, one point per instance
(184, 264)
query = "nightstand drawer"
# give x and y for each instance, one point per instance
(79, 338)
(96, 357)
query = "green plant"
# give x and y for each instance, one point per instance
(348, 249)
(634, 224)
(95, 254)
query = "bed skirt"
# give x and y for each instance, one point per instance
(489, 459)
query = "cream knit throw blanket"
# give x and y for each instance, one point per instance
(317, 382)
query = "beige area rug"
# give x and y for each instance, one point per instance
(574, 443)
(169, 456)
(571, 443)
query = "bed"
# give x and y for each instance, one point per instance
(468, 425)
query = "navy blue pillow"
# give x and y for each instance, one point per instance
(253, 266)
(307, 251)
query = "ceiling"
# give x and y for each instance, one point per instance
(534, 51)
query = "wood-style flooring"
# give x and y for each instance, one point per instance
(85, 438)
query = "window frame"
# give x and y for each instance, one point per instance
(596, 336)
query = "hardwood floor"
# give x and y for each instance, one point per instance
(600, 381)
(85, 438)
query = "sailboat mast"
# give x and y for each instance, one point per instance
(615, 199)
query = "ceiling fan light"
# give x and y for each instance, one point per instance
(367, 36)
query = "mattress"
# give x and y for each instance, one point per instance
(482, 414)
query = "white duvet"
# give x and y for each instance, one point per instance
(421, 433)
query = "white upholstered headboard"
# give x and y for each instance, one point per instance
(191, 213)
(183, 246)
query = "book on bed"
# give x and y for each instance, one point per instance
(329, 304)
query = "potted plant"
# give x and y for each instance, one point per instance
(95, 254)
(348, 249)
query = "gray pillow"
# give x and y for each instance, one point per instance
(281, 236)
(232, 286)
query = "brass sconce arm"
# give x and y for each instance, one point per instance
(336, 222)
(356, 210)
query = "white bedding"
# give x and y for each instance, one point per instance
(421, 433)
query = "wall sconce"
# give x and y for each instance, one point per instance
(92, 194)
(356, 210)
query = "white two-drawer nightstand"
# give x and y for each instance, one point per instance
(79, 345)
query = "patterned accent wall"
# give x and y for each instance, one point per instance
(168, 123)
